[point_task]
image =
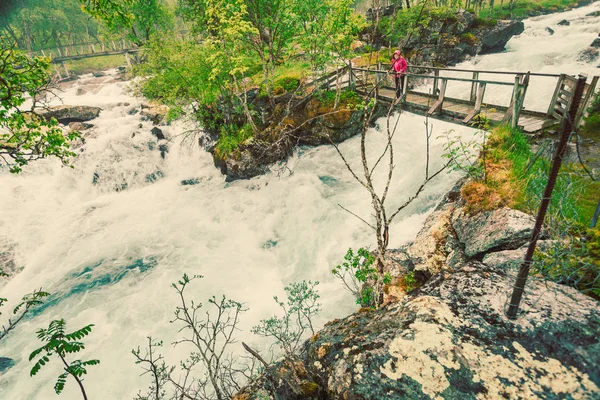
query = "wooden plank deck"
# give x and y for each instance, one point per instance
(456, 110)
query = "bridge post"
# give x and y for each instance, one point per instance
(435, 81)
(474, 87)
(350, 74)
(127, 59)
(64, 65)
(591, 88)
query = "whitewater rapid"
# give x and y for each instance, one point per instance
(109, 236)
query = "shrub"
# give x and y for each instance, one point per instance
(287, 83)
(468, 38)
(230, 139)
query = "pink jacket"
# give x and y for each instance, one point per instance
(399, 66)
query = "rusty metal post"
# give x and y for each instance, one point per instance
(567, 128)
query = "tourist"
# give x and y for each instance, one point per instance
(399, 66)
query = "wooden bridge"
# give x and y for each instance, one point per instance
(459, 94)
(60, 55)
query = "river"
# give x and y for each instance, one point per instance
(107, 237)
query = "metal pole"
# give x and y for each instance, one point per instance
(567, 128)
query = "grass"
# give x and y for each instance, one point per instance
(230, 139)
(517, 178)
(95, 64)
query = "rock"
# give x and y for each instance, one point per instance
(451, 340)
(8, 264)
(503, 229)
(80, 126)
(550, 30)
(190, 182)
(164, 149)
(245, 167)
(80, 92)
(133, 111)
(593, 14)
(158, 133)
(68, 114)
(596, 43)
(496, 38)
(6, 363)
(154, 112)
(69, 78)
(98, 74)
(589, 55)
(564, 22)
(95, 178)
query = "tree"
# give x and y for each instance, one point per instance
(60, 343)
(24, 135)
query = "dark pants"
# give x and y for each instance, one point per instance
(399, 85)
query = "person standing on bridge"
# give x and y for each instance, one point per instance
(399, 66)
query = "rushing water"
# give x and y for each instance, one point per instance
(107, 237)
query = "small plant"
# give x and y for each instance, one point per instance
(287, 83)
(409, 281)
(359, 275)
(230, 139)
(468, 38)
(60, 343)
(299, 310)
(27, 303)
(469, 156)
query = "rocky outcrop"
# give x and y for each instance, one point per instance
(67, 114)
(312, 126)
(495, 39)
(450, 338)
(448, 41)
(596, 43)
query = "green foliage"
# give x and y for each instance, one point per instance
(468, 38)
(88, 65)
(60, 343)
(466, 156)
(412, 22)
(230, 139)
(298, 311)
(24, 135)
(287, 84)
(409, 280)
(37, 24)
(347, 98)
(111, 12)
(574, 261)
(28, 302)
(359, 275)
(591, 127)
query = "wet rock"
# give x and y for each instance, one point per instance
(164, 149)
(496, 38)
(503, 229)
(8, 265)
(451, 340)
(153, 177)
(190, 182)
(589, 55)
(95, 178)
(158, 133)
(550, 30)
(98, 74)
(67, 114)
(596, 43)
(70, 78)
(80, 126)
(593, 14)
(133, 111)
(6, 363)
(564, 22)
(80, 92)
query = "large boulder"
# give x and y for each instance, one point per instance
(503, 229)
(67, 114)
(451, 340)
(157, 113)
(5, 363)
(596, 43)
(496, 38)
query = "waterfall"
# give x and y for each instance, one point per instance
(108, 236)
